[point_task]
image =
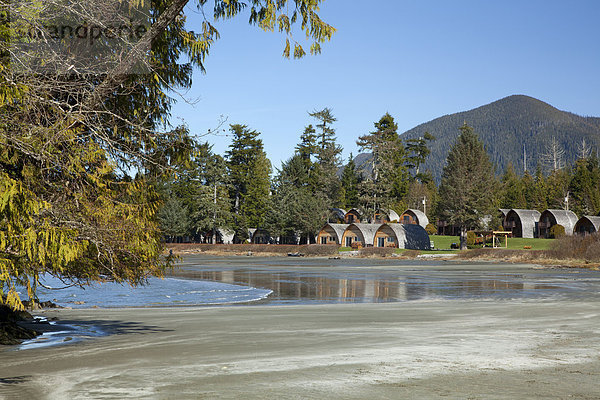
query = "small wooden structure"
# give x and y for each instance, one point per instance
(494, 235)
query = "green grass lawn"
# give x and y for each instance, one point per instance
(443, 242)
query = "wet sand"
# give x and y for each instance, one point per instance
(422, 349)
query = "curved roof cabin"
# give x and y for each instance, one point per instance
(402, 236)
(549, 218)
(260, 236)
(587, 225)
(414, 217)
(336, 215)
(360, 233)
(384, 216)
(522, 223)
(331, 234)
(353, 216)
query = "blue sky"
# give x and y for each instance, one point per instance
(417, 60)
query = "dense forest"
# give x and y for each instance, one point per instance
(241, 191)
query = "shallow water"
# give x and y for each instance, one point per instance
(209, 280)
(157, 293)
(299, 281)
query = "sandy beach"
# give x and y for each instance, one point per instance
(429, 349)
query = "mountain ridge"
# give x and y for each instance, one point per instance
(506, 126)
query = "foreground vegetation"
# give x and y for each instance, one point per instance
(85, 143)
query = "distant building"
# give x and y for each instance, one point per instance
(549, 218)
(587, 225)
(522, 223)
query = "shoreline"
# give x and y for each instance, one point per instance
(429, 347)
(501, 256)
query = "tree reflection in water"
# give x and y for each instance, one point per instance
(338, 287)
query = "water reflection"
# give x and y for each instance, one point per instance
(343, 286)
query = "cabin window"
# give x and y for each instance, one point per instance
(406, 219)
(323, 239)
(390, 239)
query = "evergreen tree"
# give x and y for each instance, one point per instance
(538, 199)
(249, 171)
(527, 184)
(350, 183)
(584, 186)
(417, 151)
(174, 219)
(468, 184)
(307, 148)
(295, 207)
(512, 190)
(327, 158)
(557, 188)
(388, 183)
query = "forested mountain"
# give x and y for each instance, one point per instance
(505, 126)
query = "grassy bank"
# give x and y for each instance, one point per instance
(444, 242)
(567, 251)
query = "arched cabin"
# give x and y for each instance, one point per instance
(587, 225)
(385, 216)
(261, 236)
(414, 217)
(332, 234)
(336, 216)
(549, 218)
(522, 223)
(353, 216)
(221, 236)
(360, 235)
(402, 236)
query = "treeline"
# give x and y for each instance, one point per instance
(238, 191)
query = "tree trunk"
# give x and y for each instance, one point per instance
(463, 238)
